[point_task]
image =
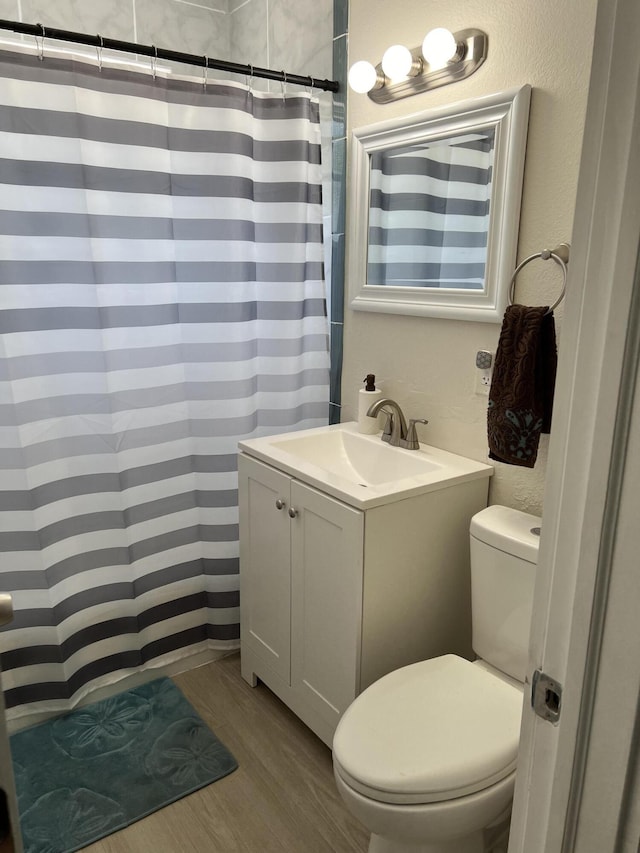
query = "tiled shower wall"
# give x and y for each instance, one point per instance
(293, 35)
(296, 36)
(338, 203)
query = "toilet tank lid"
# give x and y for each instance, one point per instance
(508, 529)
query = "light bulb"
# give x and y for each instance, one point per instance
(397, 62)
(362, 76)
(438, 47)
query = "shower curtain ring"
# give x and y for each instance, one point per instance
(205, 72)
(99, 49)
(40, 45)
(154, 61)
(284, 86)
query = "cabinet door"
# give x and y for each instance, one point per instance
(265, 574)
(326, 600)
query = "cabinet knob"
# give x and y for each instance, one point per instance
(292, 512)
(279, 503)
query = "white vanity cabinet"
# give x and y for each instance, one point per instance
(301, 592)
(333, 596)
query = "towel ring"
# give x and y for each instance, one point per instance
(560, 255)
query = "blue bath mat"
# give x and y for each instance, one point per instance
(100, 768)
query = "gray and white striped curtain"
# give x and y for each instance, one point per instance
(161, 296)
(429, 212)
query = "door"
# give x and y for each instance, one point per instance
(11, 842)
(326, 600)
(265, 575)
(577, 781)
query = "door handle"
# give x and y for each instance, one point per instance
(6, 608)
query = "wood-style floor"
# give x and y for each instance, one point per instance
(281, 799)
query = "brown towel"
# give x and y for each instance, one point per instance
(522, 386)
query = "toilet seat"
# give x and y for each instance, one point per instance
(432, 731)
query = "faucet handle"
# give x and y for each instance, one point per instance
(388, 424)
(411, 442)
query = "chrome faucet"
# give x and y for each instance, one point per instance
(395, 430)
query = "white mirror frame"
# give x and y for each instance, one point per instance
(508, 113)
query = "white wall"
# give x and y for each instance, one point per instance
(426, 364)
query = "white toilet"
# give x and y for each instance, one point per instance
(426, 757)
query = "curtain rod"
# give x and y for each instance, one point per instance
(38, 31)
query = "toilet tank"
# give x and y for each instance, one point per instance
(504, 554)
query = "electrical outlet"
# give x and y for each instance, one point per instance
(483, 381)
(484, 367)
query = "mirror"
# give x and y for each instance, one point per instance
(435, 208)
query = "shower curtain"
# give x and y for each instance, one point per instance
(161, 297)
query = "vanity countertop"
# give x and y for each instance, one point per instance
(362, 470)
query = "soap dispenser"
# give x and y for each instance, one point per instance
(367, 396)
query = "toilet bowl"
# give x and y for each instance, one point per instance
(451, 826)
(426, 756)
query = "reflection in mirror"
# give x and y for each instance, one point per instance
(429, 212)
(435, 209)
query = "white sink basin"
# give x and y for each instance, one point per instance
(356, 457)
(362, 470)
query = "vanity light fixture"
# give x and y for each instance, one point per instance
(443, 58)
